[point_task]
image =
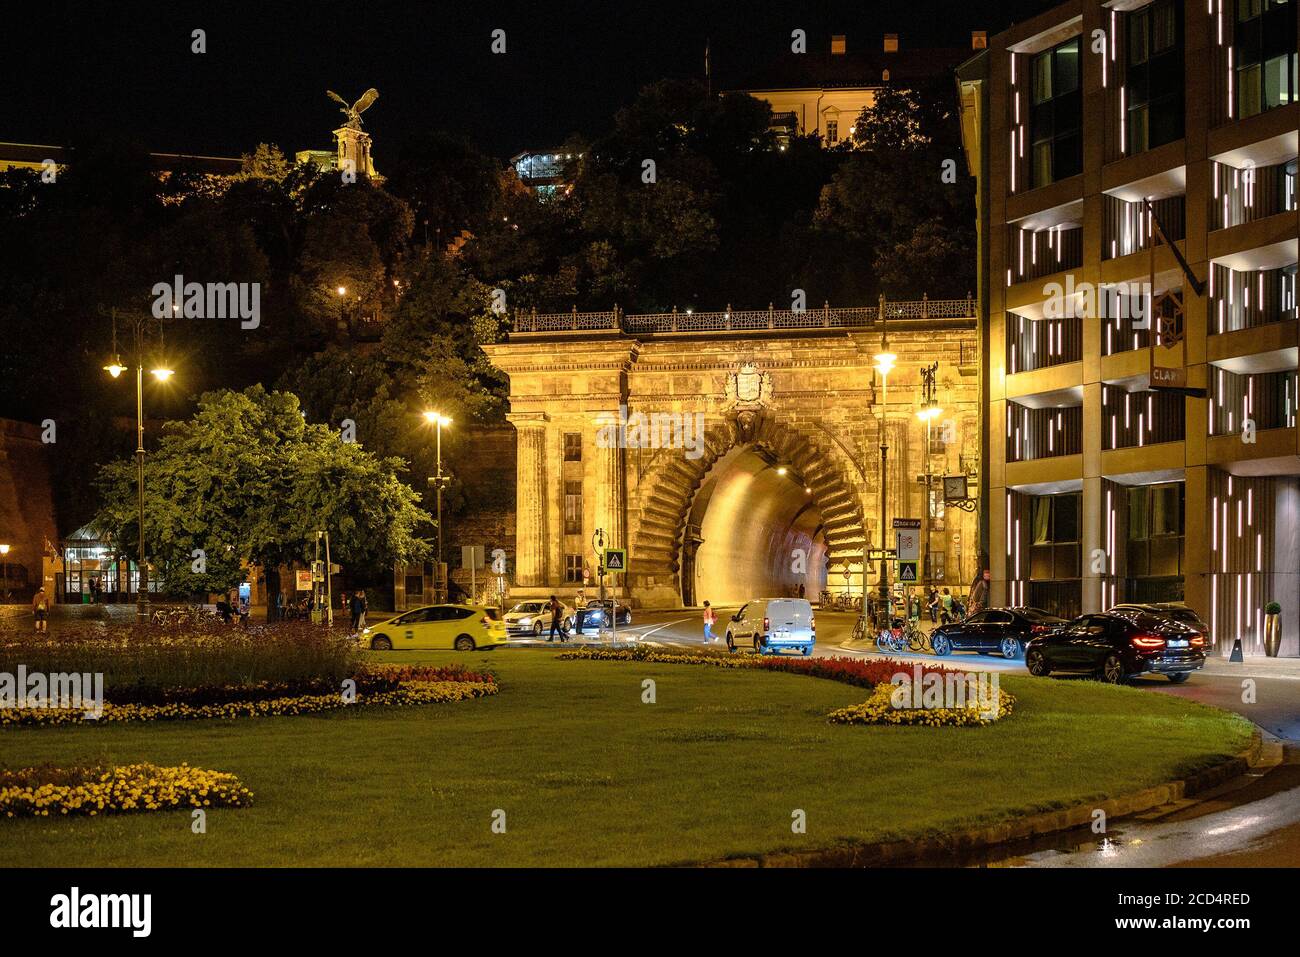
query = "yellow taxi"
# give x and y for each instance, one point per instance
(462, 627)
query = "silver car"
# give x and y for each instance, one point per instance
(531, 618)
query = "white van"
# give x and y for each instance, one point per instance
(773, 625)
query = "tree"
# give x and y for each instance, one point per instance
(892, 195)
(248, 479)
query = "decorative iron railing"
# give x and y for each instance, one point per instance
(742, 320)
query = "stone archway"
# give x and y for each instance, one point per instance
(667, 537)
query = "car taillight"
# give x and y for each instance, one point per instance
(1039, 629)
(1147, 641)
(1198, 641)
(766, 626)
(487, 622)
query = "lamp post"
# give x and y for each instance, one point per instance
(162, 373)
(928, 412)
(439, 481)
(884, 363)
(4, 562)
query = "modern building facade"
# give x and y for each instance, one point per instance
(1142, 442)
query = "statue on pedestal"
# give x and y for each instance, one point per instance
(353, 112)
(353, 143)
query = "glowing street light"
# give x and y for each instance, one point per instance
(162, 373)
(438, 420)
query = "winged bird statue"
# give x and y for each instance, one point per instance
(354, 111)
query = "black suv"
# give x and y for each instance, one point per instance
(1117, 645)
(1002, 630)
(1166, 609)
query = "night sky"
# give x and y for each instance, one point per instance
(79, 68)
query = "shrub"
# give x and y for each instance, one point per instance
(141, 662)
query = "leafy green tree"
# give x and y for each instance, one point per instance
(247, 478)
(890, 195)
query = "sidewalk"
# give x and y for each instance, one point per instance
(1255, 666)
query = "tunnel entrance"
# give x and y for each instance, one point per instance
(753, 531)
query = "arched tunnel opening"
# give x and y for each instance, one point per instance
(753, 531)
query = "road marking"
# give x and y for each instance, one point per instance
(647, 634)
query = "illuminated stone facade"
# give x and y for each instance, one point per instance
(732, 459)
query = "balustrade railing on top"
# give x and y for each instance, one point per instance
(740, 320)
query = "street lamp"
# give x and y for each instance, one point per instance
(884, 363)
(439, 481)
(162, 373)
(928, 412)
(4, 561)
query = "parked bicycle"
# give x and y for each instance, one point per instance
(903, 636)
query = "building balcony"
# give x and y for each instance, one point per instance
(1264, 400)
(1242, 299)
(1245, 195)
(1139, 419)
(1274, 452)
(1273, 344)
(1043, 432)
(1042, 343)
(1128, 227)
(1035, 253)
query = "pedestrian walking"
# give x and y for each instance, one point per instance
(41, 611)
(709, 619)
(933, 606)
(358, 609)
(947, 607)
(556, 610)
(244, 608)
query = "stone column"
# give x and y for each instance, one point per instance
(611, 508)
(530, 501)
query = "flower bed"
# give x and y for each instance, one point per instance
(40, 792)
(880, 709)
(408, 685)
(876, 674)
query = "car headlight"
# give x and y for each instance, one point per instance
(525, 622)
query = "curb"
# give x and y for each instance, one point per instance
(1037, 825)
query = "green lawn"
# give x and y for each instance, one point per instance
(588, 775)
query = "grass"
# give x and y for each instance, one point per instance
(589, 775)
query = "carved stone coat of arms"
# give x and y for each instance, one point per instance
(748, 388)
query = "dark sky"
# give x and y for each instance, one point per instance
(75, 67)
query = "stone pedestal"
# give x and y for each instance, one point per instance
(354, 151)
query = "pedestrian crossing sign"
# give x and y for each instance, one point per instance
(907, 571)
(616, 560)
